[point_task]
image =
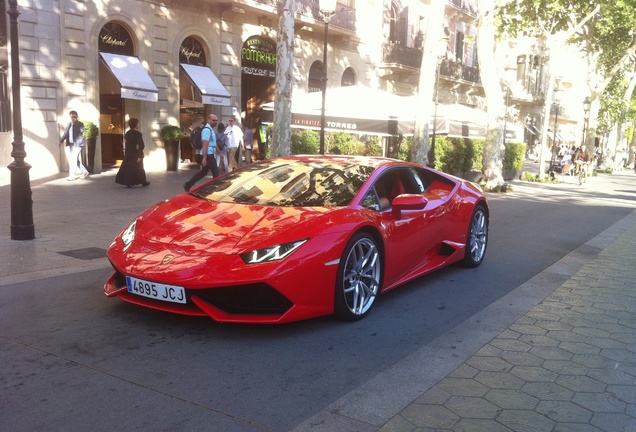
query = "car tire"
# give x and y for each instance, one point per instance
(359, 278)
(477, 237)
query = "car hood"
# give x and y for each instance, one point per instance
(199, 227)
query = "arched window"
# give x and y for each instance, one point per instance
(348, 77)
(315, 77)
(398, 23)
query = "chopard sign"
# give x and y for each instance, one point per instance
(190, 53)
(109, 40)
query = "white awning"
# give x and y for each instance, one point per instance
(133, 77)
(212, 91)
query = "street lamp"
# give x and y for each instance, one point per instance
(327, 9)
(22, 227)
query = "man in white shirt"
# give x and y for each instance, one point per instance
(234, 142)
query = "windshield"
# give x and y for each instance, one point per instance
(289, 183)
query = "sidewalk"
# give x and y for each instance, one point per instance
(64, 243)
(568, 364)
(558, 353)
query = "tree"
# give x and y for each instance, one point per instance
(492, 167)
(281, 135)
(605, 32)
(434, 31)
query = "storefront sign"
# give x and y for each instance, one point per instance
(258, 57)
(215, 100)
(139, 94)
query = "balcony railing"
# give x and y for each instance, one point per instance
(395, 53)
(345, 16)
(467, 6)
(459, 71)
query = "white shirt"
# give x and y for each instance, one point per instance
(234, 136)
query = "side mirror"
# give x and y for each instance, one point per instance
(407, 202)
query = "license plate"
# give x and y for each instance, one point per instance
(157, 291)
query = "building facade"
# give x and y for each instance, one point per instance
(175, 61)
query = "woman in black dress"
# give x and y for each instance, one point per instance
(131, 172)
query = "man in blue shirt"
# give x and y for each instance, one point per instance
(208, 141)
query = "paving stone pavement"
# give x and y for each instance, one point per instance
(569, 364)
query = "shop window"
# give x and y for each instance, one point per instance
(315, 77)
(348, 77)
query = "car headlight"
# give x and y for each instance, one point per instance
(273, 253)
(128, 235)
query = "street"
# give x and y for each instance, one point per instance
(74, 360)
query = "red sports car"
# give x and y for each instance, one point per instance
(298, 237)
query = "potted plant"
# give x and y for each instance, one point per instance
(91, 132)
(513, 160)
(171, 136)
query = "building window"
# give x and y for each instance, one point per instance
(397, 24)
(348, 77)
(459, 47)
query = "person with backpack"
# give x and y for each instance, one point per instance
(221, 149)
(208, 145)
(195, 140)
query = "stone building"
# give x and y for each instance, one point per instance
(175, 61)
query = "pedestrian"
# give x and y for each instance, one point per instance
(74, 137)
(248, 143)
(132, 172)
(234, 143)
(208, 145)
(221, 149)
(195, 134)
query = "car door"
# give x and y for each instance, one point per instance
(414, 238)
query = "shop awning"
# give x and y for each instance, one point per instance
(362, 110)
(212, 91)
(133, 77)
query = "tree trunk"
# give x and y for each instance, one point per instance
(281, 135)
(434, 32)
(494, 146)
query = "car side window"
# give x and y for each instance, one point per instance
(415, 182)
(371, 200)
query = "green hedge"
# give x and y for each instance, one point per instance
(305, 141)
(457, 155)
(514, 156)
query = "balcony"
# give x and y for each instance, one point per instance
(344, 18)
(469, 7)
(398, 56)
(459, 71)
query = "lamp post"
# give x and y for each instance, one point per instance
(327, 9)
(22, 227)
